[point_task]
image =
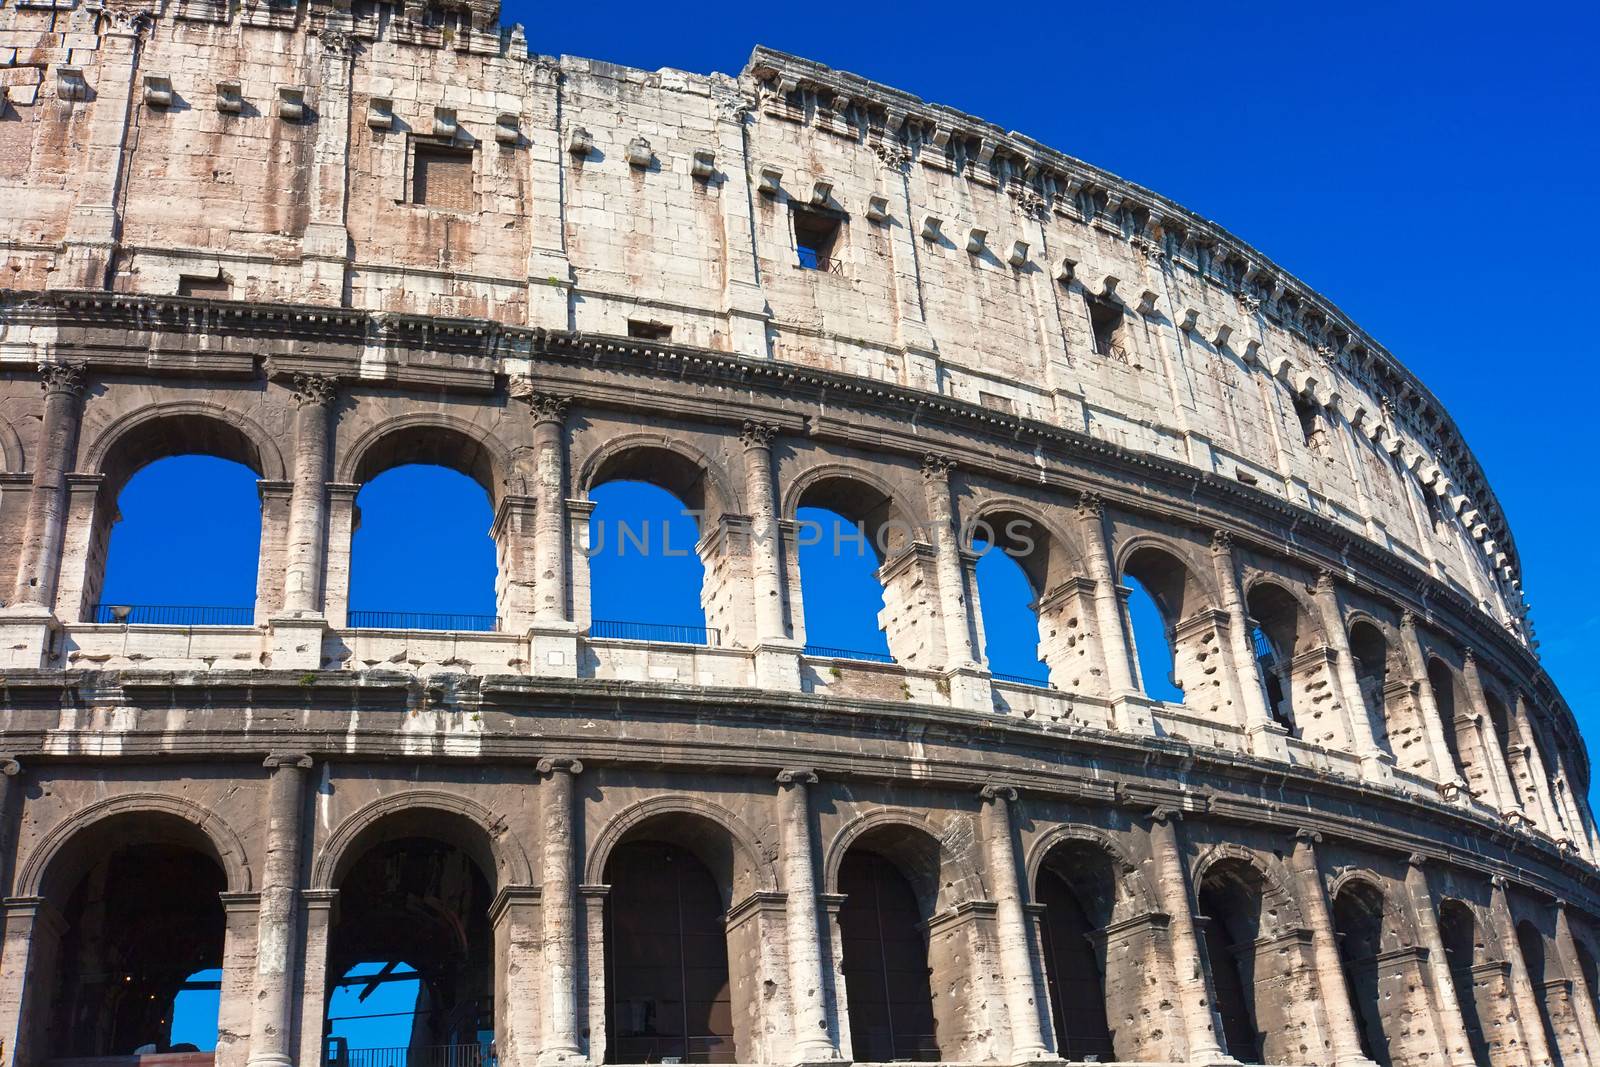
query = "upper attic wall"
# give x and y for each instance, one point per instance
(967, 260)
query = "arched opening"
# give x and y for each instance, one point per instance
(1392, 726)
(411, 954)
(1530, 942)
(1457, 728)
(1160, 597)
(137, 962)
(1012, 569)
(1077, 890)
(421, 557)
(671, 994)
(647, 574)
(1500, 722)
(1463, 951)
(177, 530)
(886, 970)
(1359, 927)
(859, 569)
(1280, 632)
(1590, 974)
(1230, 898)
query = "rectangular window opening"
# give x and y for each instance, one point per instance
(649, 331)
(1105, 318)
(213, 288)
(816, 239)
(441, 176)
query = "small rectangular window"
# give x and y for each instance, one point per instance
(816, 239)
(649, 331)
(213, 288)
(441, 176)
(1105, 318)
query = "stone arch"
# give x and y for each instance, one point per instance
(498, 852)
(877, 508)
(759, 874)
(686, 467)
(431, 437)
(138, 438)
(967, 885)
(1277, 891)
(1059, 559)
(226, 847)
(1132, 881)
(1178, 599)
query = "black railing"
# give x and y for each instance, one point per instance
(809, 260)
(338, 1055)
(1021, 679)
(655, 1049)
(660, 632)
(826, 652)
(173, 615)
(422, 620)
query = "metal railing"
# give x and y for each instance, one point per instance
(827, 652)
(173, 615)
(674, 1050)
(336, 1054)
(659, 632)
(422, 620)
(809, 260)
(1021, 679)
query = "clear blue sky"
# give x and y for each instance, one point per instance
(1430, 168)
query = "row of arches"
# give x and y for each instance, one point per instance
(415, 948)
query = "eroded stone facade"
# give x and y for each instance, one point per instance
(326, 241)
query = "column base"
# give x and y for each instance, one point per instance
(812, 1059)
(553, 649)
(1378, 768)
(1130, 713)
(1269, 740)
(270, 1059)
(1036, 1058)
(561, 1057)
(970, 687)
(295, 642)
(778, 666)
(26, 632)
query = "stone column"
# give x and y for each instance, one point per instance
(1446, 773)
(272, 1018)
(10, 805)
(1376, 765)
(1489, 738)
(1267, 737)
(1107, 603)
(1538, 779)
(1194, 986)
(558, 912)
(808, 984)
(317, 923)
(766, 561)
(325, 241)
(32, 928)
(1344, 1038)
(1523, 995)
(947, 560)
(1582, 996)
(39, 566)
(1452, 1024)
(549, 492)
(94, 224)
(314, 395)
(1018, 968)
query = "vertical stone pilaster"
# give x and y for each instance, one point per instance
(272, 1019)
(550, 519)
(559, 913)
(777, 654)
(947, 561)
(11, 799)
(744, 300)
(1108, 617)
(1344, 1038)
(341, 528)
(1582, 996)
(1376, 765)
(325, 244)
(241, 933)
(912, 332)
(549, 270)
(30, 940)
(515, 916)
(592, 967)
(1188, 964)
(316, 916)
(1446, 773)
(314, 397)
(809, 1002)
(1489, 738)
(275, 498)
(1019, 968)
(39, 568)
(1457, 1050)
(82, 569)
(1539, 787)
(1523, 995)
(1267, 737)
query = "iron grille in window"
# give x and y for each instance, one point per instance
(816, 239)
(441, 176)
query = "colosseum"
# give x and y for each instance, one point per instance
(325, 239)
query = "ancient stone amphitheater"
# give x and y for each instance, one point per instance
(328, 239)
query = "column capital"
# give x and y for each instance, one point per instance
(1090, 506)
(62, 377)
(9, 765)
(1166, 815)
(1417, 860)
(936, 465)
(1408, 620)
(1221, 541)
(1325, 580)
(298, 760)
(757, 434)
(548, 407)
(998, 791)
(1499, 882)
(1469, 658)
(315, 389)
(551, 764)
(1308, 835)
(797, 776)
